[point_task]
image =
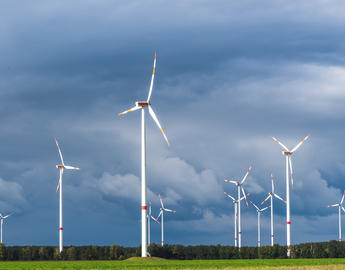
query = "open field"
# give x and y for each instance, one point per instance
(174, 264)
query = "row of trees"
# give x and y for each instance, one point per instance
(332, 249)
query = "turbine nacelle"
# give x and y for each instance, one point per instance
(67, 167)
(142, 104)
(287, 153)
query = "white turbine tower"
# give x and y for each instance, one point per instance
(288, 163)
(259, 211)
(161, 214)
(235, 213)
(61, 167)
(143, 105)
(271, 195)
(2, 222)
(239, 188)
(340, 207)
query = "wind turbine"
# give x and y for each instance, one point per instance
(161, 214)
(235, 213)
(340, 207)
(239, 188)
(270, 196)
(2, 221)
(143, 105)
(61, 167)
(258, 210)
(149, 216)
(288, 162)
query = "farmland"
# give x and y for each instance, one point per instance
(182, 264)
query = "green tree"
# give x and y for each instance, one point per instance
(114, 252)
(71, 253)
(178, 252)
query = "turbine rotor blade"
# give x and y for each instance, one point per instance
(57, 144)
(282, 145)
(245, 177)
(71, 168)
(156, 220)
(342, 199)
(58, 185)
(169, 210)
(230, 181)
(272, 182)
(8, 215)
(154, 117)
(229, 196)
(254, 205)
(152, 78)
(160, 199)
(333, 205)
(265, 200)
(131, 110)
(160, 213)
(275, 195)
(265, 208)
(244, 194)
(298, 145)
(343, 209)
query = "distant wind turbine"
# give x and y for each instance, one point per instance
(340, 207)
(235, 213)
(239, 188)
(61, 167)
(149, 216)
(161, 214)
(259, 211)
(143, 105)
(2, 221)
(270, 196)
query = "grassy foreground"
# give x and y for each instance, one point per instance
(173, 264)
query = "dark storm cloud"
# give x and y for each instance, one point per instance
(229, 75)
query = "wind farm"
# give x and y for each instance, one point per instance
(235, 161)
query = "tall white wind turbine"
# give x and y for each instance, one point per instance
(259, 211)
(340, 207)
(235, 213)
(143, 105)
(239, 188)
(288, 154)
(61, 167)
(161, 214)
(271, 195)
(2, 218)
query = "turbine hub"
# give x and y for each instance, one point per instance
(142, 103)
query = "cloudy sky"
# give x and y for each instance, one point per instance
(229, 75)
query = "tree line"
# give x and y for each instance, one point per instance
(332, 249)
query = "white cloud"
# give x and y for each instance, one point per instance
(12, 197)
(121, 186)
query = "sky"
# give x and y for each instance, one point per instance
(229, 75)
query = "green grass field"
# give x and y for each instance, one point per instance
(173, 264)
